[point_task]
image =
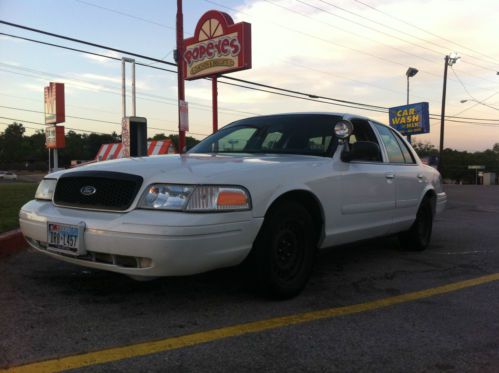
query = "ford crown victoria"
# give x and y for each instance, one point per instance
(268, 191)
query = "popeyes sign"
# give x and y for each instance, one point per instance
(218, 46)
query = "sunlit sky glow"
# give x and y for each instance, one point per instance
(345, 49)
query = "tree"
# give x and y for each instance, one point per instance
(424, 149)
(159, 136)
(12, 145)
(190, 141)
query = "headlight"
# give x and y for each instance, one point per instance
(46, 189)
(166, 197)
(195, 198)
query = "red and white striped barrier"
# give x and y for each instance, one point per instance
(115, 151)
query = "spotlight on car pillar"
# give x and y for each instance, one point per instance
(343, 129)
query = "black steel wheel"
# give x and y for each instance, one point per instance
(284, 251)
(418, 237)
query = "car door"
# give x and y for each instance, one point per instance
(408, 179)
(366, 193)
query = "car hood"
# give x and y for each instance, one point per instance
(204, 168)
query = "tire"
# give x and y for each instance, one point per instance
(284, 251)
(418, 237)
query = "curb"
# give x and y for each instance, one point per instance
(11, 242)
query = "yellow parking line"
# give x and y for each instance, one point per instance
(167, 344)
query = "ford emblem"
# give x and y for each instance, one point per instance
(88, 190)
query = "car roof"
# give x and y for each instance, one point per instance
(343, 115)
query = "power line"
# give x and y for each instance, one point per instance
(476, 104)
(86, 42)
(381, 109)
(391, 35)
(392, 28)
(461, 82)
(9, 124)
(155, 59)
(491, 60)
(111, 90)
(126, 14)
(46, 125)
(84, 51)
(94, 120)
(307, 96)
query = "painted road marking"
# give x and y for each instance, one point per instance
(173, 343)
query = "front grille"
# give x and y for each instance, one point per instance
(103, 190)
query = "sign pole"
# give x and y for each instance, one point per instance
(123, 88)
(180, 73)
(214, 92)
(134, 101)
(408, 136)
(56, 159)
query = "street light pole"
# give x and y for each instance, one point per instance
(411, 71)
(478, 103)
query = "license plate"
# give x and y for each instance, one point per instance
(65, 238)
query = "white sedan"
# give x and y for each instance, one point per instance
(7, 175)
(268, 191)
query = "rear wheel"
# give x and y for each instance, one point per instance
(284, 251)
(418, 237)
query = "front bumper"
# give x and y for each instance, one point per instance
(146, 243)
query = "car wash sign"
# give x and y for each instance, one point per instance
(218, 46)
(413, 119)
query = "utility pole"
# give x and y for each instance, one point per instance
(450, 60)
(180, 72)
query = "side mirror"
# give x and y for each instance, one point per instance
(362, 151)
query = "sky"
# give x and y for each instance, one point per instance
(355, 50)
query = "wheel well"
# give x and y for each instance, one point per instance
(432, 197)
(310, 202)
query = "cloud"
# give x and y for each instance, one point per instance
(139, 84)
(103, 60)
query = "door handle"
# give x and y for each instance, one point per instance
(390, 175)
(420, 176)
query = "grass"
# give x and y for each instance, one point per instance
(12, 197)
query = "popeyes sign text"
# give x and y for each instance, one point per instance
(218, 46)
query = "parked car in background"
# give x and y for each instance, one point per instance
(268, 191)
(7, 175)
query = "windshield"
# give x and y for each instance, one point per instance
(311, 134)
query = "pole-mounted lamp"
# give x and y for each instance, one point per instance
(411, 71)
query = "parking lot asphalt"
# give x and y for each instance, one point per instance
(359, 311)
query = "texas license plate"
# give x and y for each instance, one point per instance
(65, 238)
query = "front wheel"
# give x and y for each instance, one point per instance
(418, 237)
(284, 251)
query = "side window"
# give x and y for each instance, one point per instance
(320, 143)
(271, 140)
(405, 150)
(362, 131)
(235, 141)
(391, 144)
